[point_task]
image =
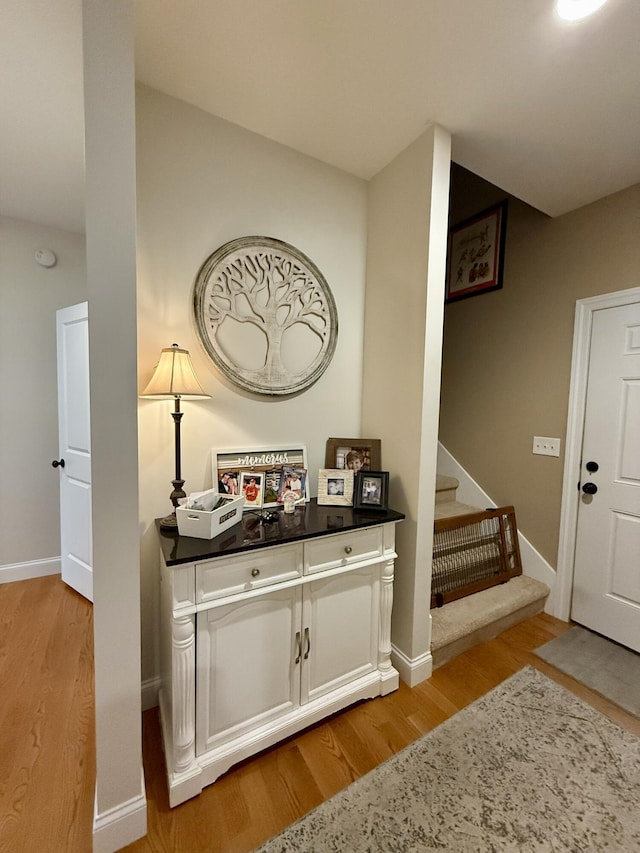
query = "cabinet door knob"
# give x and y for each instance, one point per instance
(255, 573)
(348, 549)
(58, 463)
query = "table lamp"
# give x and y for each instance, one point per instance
(175, 377)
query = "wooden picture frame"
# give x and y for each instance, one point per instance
(268, 460)
(371, 491)
(335, 487)
(475, 255)
(366, 450)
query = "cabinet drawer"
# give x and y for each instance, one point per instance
(232, 575)
(341, 549)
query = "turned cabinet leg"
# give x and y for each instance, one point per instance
(386, 603)
(184, 705)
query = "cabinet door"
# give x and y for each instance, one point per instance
(247, 673)
(340, 631)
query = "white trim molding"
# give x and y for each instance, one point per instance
(31, 569)
(585, 309)
(412, 670)
(534, 564)
(150, 690)
(121, 825)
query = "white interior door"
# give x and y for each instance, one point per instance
(74, 461)
(606, 585)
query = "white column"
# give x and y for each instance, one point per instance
(184, 693)
(120, 802)
(406, 260)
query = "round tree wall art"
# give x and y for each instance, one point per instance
(265, 315)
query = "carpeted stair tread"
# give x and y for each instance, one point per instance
(451, 508)
(476, 618)
(446, 488)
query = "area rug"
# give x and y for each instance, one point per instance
(598, 663)
(528, 767)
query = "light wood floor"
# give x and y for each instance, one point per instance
(47, 746)
(47, 765)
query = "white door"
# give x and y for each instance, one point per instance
(606, 586)
(74, 460)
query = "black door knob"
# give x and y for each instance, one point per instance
(592, 467)
(58, 463)
(589, 488)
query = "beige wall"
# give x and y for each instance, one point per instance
(201, 182)
(408, 203)
(30, 295)
(507, 354)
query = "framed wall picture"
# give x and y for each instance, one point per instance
(228, 465)
(476, 253)
(335, 487)
(356, 454)
(371, 490)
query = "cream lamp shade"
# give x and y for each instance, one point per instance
(174, 376)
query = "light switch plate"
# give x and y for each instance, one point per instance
(545, 446)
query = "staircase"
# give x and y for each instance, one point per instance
(464, 623)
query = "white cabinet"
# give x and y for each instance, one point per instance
(259, 643)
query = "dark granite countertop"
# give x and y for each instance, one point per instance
(307, 522)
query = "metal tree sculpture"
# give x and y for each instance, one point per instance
(274, 287)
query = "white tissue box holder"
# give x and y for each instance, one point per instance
(206, 525)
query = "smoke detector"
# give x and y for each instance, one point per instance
(46, 258)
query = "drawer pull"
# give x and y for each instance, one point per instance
(299, 645)
(255, 573)
(348, 549)
(308, 641)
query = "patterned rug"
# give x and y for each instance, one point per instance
(528, 767)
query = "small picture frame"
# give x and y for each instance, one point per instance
(229, 483)
(335, 487)
(292, 480)
(371, 490)
(252, 487)
(356, 454)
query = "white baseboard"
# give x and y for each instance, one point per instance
(32, 569)
(150, 690)
(469, 492)
(121, 825)
(412, 671)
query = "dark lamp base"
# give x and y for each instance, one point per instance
(169, 522)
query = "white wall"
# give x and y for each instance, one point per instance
(202, 182)
(30, 295)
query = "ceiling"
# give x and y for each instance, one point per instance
(548, 111)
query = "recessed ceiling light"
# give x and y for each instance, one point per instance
(574, 10)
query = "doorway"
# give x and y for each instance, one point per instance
(575, 471)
